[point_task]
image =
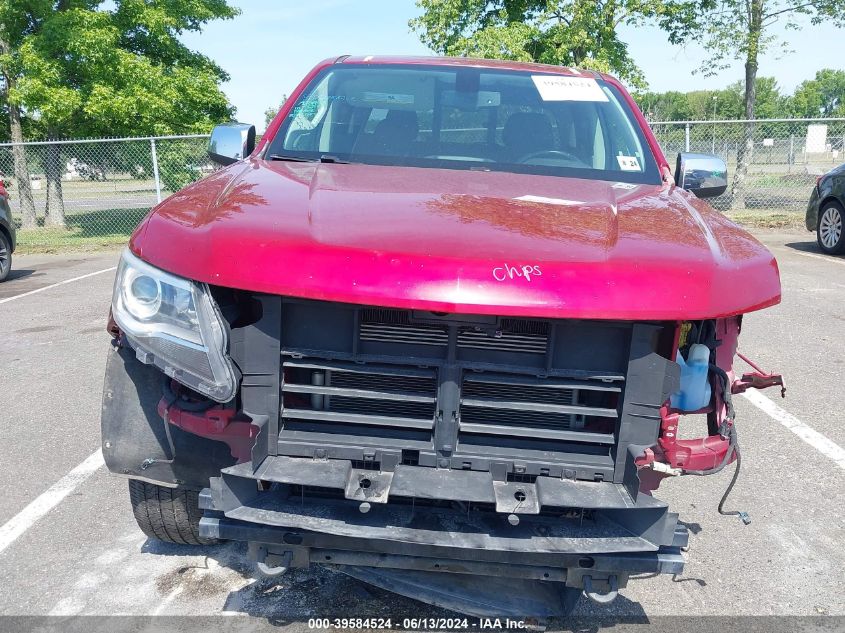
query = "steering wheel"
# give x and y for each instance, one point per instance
(549, 153)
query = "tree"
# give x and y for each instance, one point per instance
(664, 106)
(270, 113)
(706, 105)
(769, 101)
(579, 33)
(741, 30)
(13, 27)
(116, 68)
(822, 96)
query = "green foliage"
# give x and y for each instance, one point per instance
(579, 33)
(95, 68)
(740, 29)
(179, 162)
(732, 30)
(769, 103)
(270, 113)
(822, 96)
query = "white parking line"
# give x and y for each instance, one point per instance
(826, 258)
(55, 285)
(821, 443)
(48, 500)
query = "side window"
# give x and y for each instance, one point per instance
(306, 117)
(599, 154)
(623, 141)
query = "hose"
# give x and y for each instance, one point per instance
(742, 515)
(732, 448)
(730, 412)
(728, 431)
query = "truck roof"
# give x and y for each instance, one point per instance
(431, 60)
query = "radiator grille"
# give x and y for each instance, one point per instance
(347, 395)
(503, 341)
(396, 326)
(419, 335)
(427, 388)
(536, 408)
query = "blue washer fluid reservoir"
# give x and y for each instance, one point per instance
(695, 388)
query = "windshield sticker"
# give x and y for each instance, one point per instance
(623, 185)
(628, 163)
(544, 200)
(389, 98)
(561, 88)
(506, 272)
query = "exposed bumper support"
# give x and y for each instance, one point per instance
(568, 533)
(535, 584)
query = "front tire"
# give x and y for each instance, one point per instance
(5, 256)
(167, 514)
(830, 229)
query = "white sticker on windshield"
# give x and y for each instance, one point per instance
(389, 98)
(561, 88)
(628, 163)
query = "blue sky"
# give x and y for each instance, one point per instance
(272, 44)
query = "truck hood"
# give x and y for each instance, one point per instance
(460, 241)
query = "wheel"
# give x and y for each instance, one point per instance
(829, 231)
(167, 514)
(5, 256)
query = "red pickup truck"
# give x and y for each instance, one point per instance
(438, 329)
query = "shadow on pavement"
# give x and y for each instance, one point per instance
(694, 528)
(19, 273)
(810, 246)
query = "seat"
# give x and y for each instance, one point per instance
(392, 136)
(526, 133)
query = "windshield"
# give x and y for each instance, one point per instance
(467, 118)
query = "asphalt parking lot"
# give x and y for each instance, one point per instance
(69, 544)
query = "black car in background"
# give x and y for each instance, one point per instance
(826, 211)
(7, 235)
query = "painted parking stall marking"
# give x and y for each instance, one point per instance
(49, 499)
(826, 258)
(821, 443)
(57, 284)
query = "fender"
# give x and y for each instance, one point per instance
(133, 433)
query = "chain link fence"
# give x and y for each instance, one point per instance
(783, 158)
(90, 193)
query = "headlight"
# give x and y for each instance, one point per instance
(174, 324)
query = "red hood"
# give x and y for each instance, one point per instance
(460, 241)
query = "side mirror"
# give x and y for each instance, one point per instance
(704, 175)
(231, 142)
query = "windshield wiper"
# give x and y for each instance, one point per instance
(328, 158)
(292, 159)
(325, 158)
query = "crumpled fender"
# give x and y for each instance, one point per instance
(133, 433)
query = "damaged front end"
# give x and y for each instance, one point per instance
(436, 455)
